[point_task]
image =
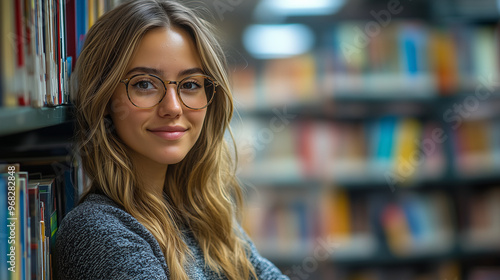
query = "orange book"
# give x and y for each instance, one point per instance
(339, 213)
(444, 56)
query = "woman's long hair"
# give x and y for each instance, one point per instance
(201, 191)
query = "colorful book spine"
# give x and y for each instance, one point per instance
(34, 210)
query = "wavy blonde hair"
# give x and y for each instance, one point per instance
(203, 193)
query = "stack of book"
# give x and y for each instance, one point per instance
(408, 60)
(387, 150)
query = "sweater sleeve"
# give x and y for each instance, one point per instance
(104, 242)
(264, 269)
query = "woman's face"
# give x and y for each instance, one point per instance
(165, 133)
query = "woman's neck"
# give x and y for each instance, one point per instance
(151, 174)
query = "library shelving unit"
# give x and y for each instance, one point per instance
(40, 41)
(380, 162)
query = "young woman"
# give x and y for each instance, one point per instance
(152, 105)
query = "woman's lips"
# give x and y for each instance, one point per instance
(169, 132)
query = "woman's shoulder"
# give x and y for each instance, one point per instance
(97, 214)
(100, 217)
(96, 208)
(98, 236)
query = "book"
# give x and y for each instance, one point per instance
(81, 23)
(70, 26)
(407, 158)
(47, 188)
(35, 217)
(25, 267)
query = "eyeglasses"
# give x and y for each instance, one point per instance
(147, 90)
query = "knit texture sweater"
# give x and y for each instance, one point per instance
(99, 240)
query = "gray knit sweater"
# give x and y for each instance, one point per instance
(99, 240)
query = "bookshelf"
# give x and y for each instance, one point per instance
(425, 80)
(17, 120)
(40, 42)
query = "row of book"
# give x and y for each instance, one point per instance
(295, 223)
(338, 151)
(397, 150)
(31, 208)
(402, 60)
(444, 58)
(40, 43)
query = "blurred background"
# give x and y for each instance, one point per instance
(368, 134)
(368, 131)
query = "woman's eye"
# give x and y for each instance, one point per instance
(144, 85)
(190, 85)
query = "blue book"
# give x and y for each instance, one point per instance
(411, 43)
(69, 189)
(410, 50)
(418, 217)
(387, 127)
(410, 209)
(81, 23)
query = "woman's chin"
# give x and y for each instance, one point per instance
(174, 159)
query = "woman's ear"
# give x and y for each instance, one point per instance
(108, 123)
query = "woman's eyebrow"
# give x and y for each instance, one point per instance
(147, 70)
(190, 71)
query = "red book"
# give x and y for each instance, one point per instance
(71, 30)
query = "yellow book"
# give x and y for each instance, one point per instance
(92, 12)
(407, 156)
(340, 223)
(7, 56)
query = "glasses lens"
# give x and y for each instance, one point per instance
(145, 91)
(196, 91)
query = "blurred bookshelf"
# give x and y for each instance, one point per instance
(388, 153)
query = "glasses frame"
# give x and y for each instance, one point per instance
(167, 82)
